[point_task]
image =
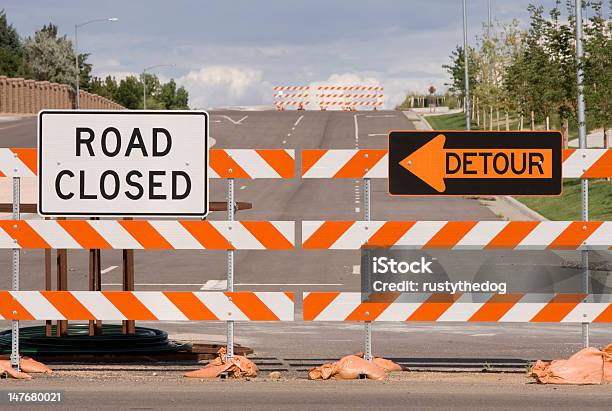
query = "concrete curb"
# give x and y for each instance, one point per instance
(522, 208)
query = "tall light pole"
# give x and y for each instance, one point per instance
(144, 81)
(582, 141)
(465, 69)
(76, 50)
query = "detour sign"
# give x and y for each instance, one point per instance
(474, 163)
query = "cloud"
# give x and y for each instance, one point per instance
(220, 85)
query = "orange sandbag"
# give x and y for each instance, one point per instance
(347, 368)
(7, 370)
(238, 367)
(387, 365)
(584, 367)
(32, 366)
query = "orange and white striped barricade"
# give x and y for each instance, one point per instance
(138, 234)
(364, 163)
(146, 305)
(516, 308)
(295, 97)
(367, 164)
(349, 97)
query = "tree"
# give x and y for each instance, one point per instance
(11, 50)
(456, 71)
(50, 57)
(129, 93)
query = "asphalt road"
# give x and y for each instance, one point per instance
(301, 270)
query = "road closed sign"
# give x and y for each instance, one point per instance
(123, 163)
(475, 163)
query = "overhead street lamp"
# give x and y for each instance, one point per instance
(144, 81)
(76, 49)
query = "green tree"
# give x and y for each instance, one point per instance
(129, 93)
(456, 71)
(50, 57)
(11, 50)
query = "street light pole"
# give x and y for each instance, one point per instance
(144, 81)
(466, 70)
(76, 51)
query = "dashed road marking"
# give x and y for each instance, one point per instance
(109, 269)
(298, 121)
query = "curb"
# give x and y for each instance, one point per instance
(522, 208)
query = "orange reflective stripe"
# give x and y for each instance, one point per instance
(280, 161)
(222, 163)
(25, 235)
(252, 306)
(84, 234)
(327, 234)
(267, 235)
(29, 157)
(10, 308)
(360, 163)
(602, 168)
(190, 305)
(390, 233)
(68, 305)
(450, 234)
(605, 316)
(207, 235)
(309, 158)
(574, 235)
(558, 308)
(496, 307)
(567, 153)
(290, 295)
(370, 309)
(145, 234)
(315, 303)
(129, 305)
(433, 307)
(512, 234)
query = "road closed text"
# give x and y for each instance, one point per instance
(134, 184)
(123, 163)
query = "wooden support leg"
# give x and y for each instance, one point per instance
(128, 327)
(62, 285)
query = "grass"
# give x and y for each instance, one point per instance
(567, 206)
(564, 207)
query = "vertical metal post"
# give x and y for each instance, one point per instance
(466, 69)
(144, 89)
(230, 266)
(76, 62)
(582, 138)
(366, 216)
(15, 278)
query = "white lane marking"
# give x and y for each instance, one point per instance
(214, 285)
(288, 134)
(482, 335)
(239, 122)
(284, 141)
(357, 269)
(293, 284)
(356, 128)
(357, 209)
(109, 269)
(215, 121)
(382, 116)
(377, 134)
(243, 187)
(298, 121)
(160, 284)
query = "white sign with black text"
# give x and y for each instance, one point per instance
(122, 163)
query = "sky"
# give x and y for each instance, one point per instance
(232, 52)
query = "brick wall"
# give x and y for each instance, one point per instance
(22, 96)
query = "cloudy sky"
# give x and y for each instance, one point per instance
(231, 52)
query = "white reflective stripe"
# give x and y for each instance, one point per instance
(286, 228)
(480, 235)
(279, 303)
(6, 241)
(37, 305)
(115, 234)
(53, 233)
(601, 238)
(98, 305)
(329, 164)
(161, 307)
(238, 235)
(528, 307)
(357, 235)
(174, 233)
(291, 152)
(542, 235)
(212, 173)
(585, 312)
(420, 233)
(398, 312)
(219, 304)
(12, 166)
(461, 310)
(380, 169)
(340, 308)
(308, 228)
(252, 163)
(580, 161)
